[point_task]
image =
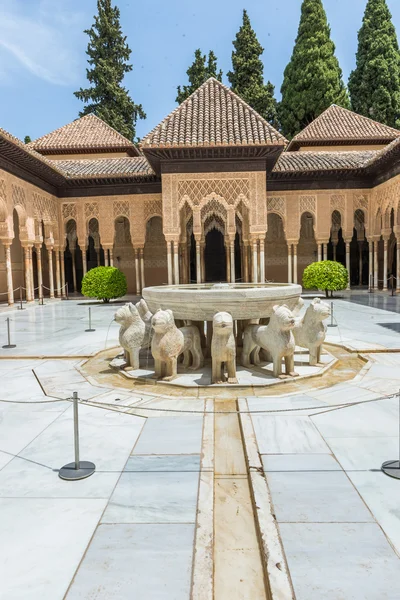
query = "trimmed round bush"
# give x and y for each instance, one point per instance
(327, 275)
(104, 283)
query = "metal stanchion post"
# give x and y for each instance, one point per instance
(392, 467)
(370, 288)
(67, 289)
(90, 321)
(9, 345)
(80, 469)
(20, 307)
(392, 284)
(332, 324)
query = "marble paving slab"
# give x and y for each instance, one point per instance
(149, 496)
(163, 464)
(287, 435)
(364, 453)
(138, 562)
(340, 561)
(282, 463)
(171, 435)
(42, 543)
(316, 496)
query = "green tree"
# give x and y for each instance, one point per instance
(199, 71)
(247, 75)
(313, 78)
(109, 54)
(327, 275)
(27, 139)
(374, 84)
(104, 283)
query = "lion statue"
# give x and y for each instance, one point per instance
(166, 345)
(146, 317)
(310, 331)
(223, 348)
(131, 333)
(193, 358)
(276, 339)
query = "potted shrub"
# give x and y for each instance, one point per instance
(327, 275)
(104, 283)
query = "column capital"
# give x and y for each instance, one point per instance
(6, 242)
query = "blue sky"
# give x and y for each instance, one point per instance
(43, 60)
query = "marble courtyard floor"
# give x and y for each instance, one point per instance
(198, 495)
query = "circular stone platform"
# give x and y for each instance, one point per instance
(200, 302)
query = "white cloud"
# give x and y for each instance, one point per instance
(43, 37)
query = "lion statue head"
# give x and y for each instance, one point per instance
(221, 321)
(127, 314)
(318, 310)
(162, 321)
(282, 318)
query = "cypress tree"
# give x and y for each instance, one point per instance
(374, 85)
(247, 75)
(27, 139)
(198, 72)
(109, 54)
(313, 78)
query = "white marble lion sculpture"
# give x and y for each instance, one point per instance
(146, 316)
(223, 348)
(131, 333)
(193, 358)
(276, 339)
(166, 345)
(310, 331)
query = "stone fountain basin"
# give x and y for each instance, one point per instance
(200, 302)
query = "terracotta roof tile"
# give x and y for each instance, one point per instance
(295, 162)
(337, 124)
(135, 166)
(85, 134)
(212, 116)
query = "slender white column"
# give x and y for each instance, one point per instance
(198, 261)
(228, 263)
(376, 266)
(51, 273)
(62, 263)
(246, 262)
(370, 263)
(169, 263)
(255, 262)
(111, 257)
(138, 290)
(142, 281)
(289, 263)
(233, 273)
(106, 264)
(31, 279)
(262, 261)
(398, 266)
(320, 252)
(38, 248)
(348, 262)
(10, 292)
(58, 274)
(385, 264)
(84, 260)
(176, 263)
(27, 277)
(203, 262)
(73, 254)
(294, 263)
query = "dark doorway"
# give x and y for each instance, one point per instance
(215, 257)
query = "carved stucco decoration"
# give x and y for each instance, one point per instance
(18, 196)
(3, 189)
(214, 207)
(308, 204)
(91, 210)
(121, 208)
(338, 202)
(232, 190)
(69, 211)
(44, 208)
(152, 208)
(360, 202)
(277, 204)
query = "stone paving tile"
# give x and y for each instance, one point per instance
(42, 543)
(143, 562)
(282, 463)
(305, 497)
(168, 495)
(171, 435)
(364, 453)
(287, 435)
(332, 561)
